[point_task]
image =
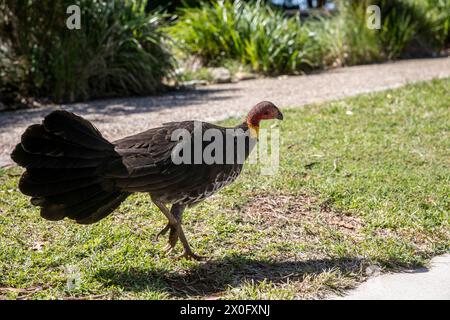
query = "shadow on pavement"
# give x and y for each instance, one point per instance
(119, 106)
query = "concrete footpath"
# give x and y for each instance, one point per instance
(431, 283)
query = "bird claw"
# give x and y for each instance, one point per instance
(173, 237)
(168, 248)
(191, 256)
(162, 232)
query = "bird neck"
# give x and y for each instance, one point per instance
(252, 122)
(250, 142)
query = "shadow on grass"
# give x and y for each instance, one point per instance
(213, 277)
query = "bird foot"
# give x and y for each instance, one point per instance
(173, 237)
(176, 233)
(189, 255)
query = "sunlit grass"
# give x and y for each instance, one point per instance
(363, 181)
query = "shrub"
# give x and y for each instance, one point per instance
(437, 13)
(253, 33)
(271, 43)
(119, 49)
(344, 39)
(405, 31)
(275, 44)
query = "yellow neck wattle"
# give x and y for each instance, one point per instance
(254, 131)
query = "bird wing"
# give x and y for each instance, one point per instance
(146, 164)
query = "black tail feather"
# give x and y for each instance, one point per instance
(108, 207)
(65, 158)
(49, 175)
(42, 188)
(73, 128)
(87, 210)
(34, 160)
(73, 197)
(37, 140)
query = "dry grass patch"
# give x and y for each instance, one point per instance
(282, 210)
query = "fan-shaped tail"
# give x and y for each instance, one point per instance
(64, 159)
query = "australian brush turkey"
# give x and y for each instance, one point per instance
(72, 171)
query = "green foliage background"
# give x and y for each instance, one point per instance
(119, 49)
(124, 48)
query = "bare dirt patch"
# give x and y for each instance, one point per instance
(281, 210)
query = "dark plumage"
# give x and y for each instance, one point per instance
(72, 171)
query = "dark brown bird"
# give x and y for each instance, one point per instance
(72, 171)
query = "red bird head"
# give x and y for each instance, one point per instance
(264, 110)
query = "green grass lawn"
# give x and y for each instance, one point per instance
(364, 183)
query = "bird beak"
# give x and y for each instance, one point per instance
(280, 115)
